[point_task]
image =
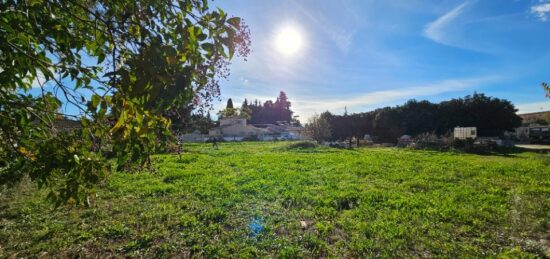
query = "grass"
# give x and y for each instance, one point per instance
(297, 200)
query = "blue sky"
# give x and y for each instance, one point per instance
(368, 54)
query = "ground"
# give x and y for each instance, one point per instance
(292, 200)
(534, 146)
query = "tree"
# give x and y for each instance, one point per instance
(282, 101)
(228, 112)
(546, 88)
(121, 64)
(318, 128)
(491, 115)
(229, 104)
(245, 111)
(271, 112)
(387, 124)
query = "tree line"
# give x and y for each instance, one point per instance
(492, 116)
(257, 112)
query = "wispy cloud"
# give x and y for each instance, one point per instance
(340, 32)
(450, 29)
(436, 30)
(541, 11)
(533, 107)
(306, 108)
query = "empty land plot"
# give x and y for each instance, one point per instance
(295, 200)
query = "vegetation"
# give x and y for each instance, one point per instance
(270, 112)
(267, 113)
(121, 64)
(298, 200)
(492, 116)
(230, 110)
(188, 119)
(318, 128)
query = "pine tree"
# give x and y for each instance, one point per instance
(229, 104)
(282, 101)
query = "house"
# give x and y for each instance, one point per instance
(534, 117)
(64, 124)
(192, 137)
(236, 129)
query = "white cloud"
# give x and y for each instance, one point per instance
(454, 29)
(541, 11)
(437, 30)
(40, 79)
(306, 108)
(244, 80)
(533, 107)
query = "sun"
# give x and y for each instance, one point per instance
(288, 41)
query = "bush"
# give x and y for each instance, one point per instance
(302, 145)
(172, 147)
(430, 141)
(251, 138)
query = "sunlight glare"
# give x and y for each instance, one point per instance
(288, 41)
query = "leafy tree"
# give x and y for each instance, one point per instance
(245, 110)
(318, 128)
(271, 112)
(228, 112)
(546, 88)
(121, 64)
(387, 124)
(491, 115)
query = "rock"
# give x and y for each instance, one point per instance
(304, 224)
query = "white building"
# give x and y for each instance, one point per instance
(236, 129)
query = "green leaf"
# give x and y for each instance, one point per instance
(235, 21)
(100, 57)
(95, 100)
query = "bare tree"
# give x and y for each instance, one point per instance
(318, 128)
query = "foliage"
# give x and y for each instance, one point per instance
(228, 112)
(301, 145)
(546, 88)
(229, 104)
(360, 203)
(431, 141)
(187, 120)
(121, 64)
(245, 111)
(270, 112)
(256, 113)
(492, 116)
(318, 128)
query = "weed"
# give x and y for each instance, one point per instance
(249, 199)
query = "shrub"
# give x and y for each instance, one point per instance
(430, 141)
(302, 145)
(251, 138)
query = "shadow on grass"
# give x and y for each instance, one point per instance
(506, 151)
(304, 147)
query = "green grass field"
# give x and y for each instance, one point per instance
(277, 200)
